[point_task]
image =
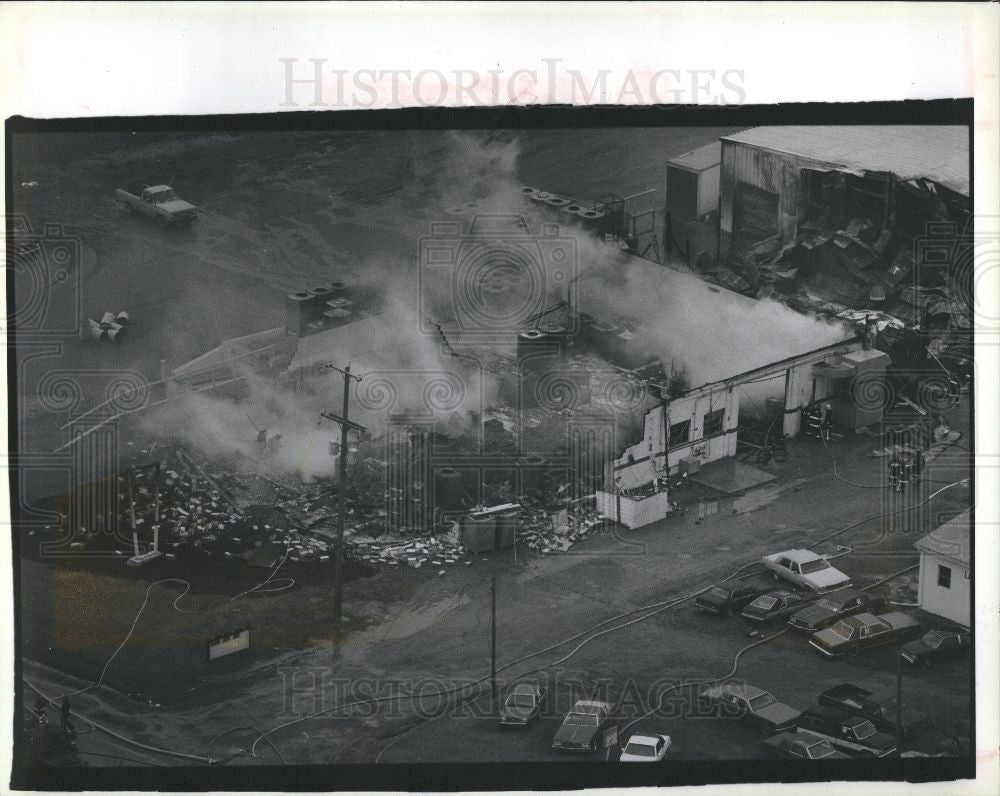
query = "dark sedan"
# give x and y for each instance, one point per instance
(864, 631)
(584, 726)
(728, 599)
(801, 745)
(775, 604)
(829, 608)
(936, 645)
(856, 735)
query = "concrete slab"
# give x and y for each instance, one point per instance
(731, 476)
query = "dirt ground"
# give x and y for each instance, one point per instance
(411, 632)
(286, 211)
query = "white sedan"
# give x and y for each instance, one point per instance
(808, 569)
(645, 749)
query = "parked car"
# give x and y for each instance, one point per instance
(935, 645)
(728, 599)
(807, 569)
(853, 734)
(583, 726)
(831, 607)
(523, 705)
(752, 704)
(775, 604)
(160, 203)
(801, 745)
(879, 707)
(645, 749)
(853, 634)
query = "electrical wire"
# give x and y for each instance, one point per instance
(118, 757)
(654, 608)
(245, 727)
(119, 736)
(259, 587)
(663, 606)
(837, 474)
(705, 681)
(452, 691)
(928, 499)
(97, 683)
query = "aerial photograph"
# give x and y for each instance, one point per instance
(525, 447)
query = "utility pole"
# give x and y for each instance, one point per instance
(345, 426)
(493, 641)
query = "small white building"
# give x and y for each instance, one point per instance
(945, 555)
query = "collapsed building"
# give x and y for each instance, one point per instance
(832, 218)
(572, 402)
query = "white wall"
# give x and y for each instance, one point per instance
(650, 455)
(951, 603)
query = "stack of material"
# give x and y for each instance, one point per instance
(432, 551)
(558, 532)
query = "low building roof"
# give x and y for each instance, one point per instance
(939, 153)
(952, 540)
(699, 159)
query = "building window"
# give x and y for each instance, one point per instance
(712, 423)
(944, 577)
(680, 433)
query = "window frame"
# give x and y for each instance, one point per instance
(709, 417)
(671, 444)
(944, 574)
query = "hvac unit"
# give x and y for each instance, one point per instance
(299, 312)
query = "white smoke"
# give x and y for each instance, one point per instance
(679, 318)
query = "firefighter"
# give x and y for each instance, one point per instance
(871, 333)
(67, 725)
(895, 472)
(826, 422)
(38, 712)
(811, 417)
(262, 441)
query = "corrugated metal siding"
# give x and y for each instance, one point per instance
(767, 170)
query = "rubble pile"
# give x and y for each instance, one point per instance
(434, 551)
(830, 268)
(556, 532)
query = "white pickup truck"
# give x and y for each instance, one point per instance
(159, 202)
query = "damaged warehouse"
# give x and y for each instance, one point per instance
(494, 383)
(832, 219)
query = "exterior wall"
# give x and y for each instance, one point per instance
(634, 513)
(652, 457)
(951, 603)
(708, 189)
(801, 389)
(775, 172)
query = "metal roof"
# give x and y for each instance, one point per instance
(951, 540)
(939, 153)
(699, 159)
